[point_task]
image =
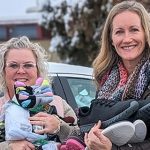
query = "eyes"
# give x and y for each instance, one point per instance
(16, 66)
(121, 31)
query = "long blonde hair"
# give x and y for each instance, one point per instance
(107, 56)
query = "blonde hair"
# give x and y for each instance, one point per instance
(19, 43)
(107, 56)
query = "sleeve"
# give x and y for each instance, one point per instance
(4, 146)
(67, 130)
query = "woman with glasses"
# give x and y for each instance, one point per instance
(24, 62)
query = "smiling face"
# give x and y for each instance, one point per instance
(128, 37)
(28, 75)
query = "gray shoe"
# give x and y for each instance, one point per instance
(109, 112)
(120, 133)
(140, 132)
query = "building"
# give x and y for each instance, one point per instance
(20, 27)
(29, 27)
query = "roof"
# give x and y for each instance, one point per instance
(16, 11)
(18, 21)
(61, 68)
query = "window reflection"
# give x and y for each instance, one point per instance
(83, 90)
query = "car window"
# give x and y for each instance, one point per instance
(83, 90)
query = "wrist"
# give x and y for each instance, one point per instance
(58, 126)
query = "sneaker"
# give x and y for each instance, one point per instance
(143, 113)
(109, 112)
(73, 143)
(140, 132)
(120, 133)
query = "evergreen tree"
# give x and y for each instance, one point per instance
(75, 27)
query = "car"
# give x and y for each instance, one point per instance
(73, 83)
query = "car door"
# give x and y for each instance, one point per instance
(78, 91)
(61, 88)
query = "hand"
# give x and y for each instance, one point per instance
(95, 140)
(21, 145)
(49, 122)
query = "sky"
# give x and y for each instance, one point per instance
(16, 9)
(10, 9)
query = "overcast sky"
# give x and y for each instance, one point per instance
(16, 8)
(13, 9)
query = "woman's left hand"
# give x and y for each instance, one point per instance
(95, 140)
(49, 122)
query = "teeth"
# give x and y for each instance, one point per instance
(128, 47)
(21, 80)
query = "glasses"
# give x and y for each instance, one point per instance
(15, 66)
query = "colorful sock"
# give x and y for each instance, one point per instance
(31, 96)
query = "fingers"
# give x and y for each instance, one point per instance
(86, 138)
(49, 122)
(39, 119)
(40, 114)
(30, 146)
(38, 122)
(99, 135)
(39, 125)
(98, 125)
(96, 129)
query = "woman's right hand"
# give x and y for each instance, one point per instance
(21, 145)
(95, 140)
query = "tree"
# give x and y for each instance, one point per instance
(75, 27)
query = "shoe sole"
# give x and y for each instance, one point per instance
(140, 132)
(120, 133)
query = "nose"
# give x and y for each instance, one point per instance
(20, 69)
(127, 37)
